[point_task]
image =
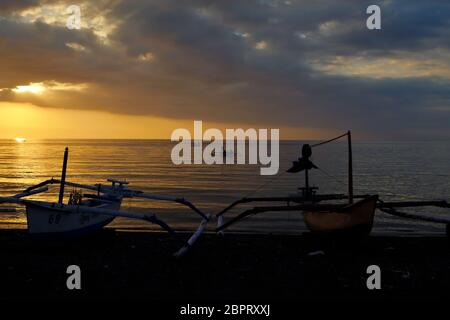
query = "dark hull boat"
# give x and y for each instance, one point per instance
(333, 214)
(320, 216)
(354, 219)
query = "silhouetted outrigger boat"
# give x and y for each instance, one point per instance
(346, 214)
(85, 213)
(332, 214)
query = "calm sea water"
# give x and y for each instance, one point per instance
(394, 170)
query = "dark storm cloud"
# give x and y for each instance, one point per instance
(206, 64)
(8, 6)
(407, 25)
(38, 52)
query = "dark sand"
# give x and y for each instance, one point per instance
(257, 267)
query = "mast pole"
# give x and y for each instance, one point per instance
(63, 176)
(306, 184)
(350, 168)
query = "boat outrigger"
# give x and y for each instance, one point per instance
(84, 213)
(344, 214)
(329, 214)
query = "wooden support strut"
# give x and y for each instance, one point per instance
(295, 199)
(127, 193)
(405, 204)
(415, 216)
(311, 207)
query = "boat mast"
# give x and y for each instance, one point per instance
(306, 154)
(307, 193)
(350, 168)
(63, 176)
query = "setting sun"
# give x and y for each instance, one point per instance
(20, 140)
(35, 88)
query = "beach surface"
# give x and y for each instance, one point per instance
(238, 267)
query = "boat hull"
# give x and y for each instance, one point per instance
(356, 218)
(42, 220)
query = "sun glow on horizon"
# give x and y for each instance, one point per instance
(49, 87)
(38, 123)
(20, 140)
(36, 88)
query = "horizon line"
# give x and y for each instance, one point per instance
(207, 141)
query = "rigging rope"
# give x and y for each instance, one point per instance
(284, 171)
(327, 141)
(251, 192)
(332, 177)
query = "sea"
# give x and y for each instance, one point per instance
(393, 170)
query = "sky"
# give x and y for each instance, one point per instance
(140, 69)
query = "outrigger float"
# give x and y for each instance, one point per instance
(85, 213)
(333, 214)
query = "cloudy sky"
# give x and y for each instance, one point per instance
(139, 69)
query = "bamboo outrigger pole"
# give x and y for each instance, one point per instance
(350, 168)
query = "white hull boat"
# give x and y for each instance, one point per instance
(84, 213)
(42, 219)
